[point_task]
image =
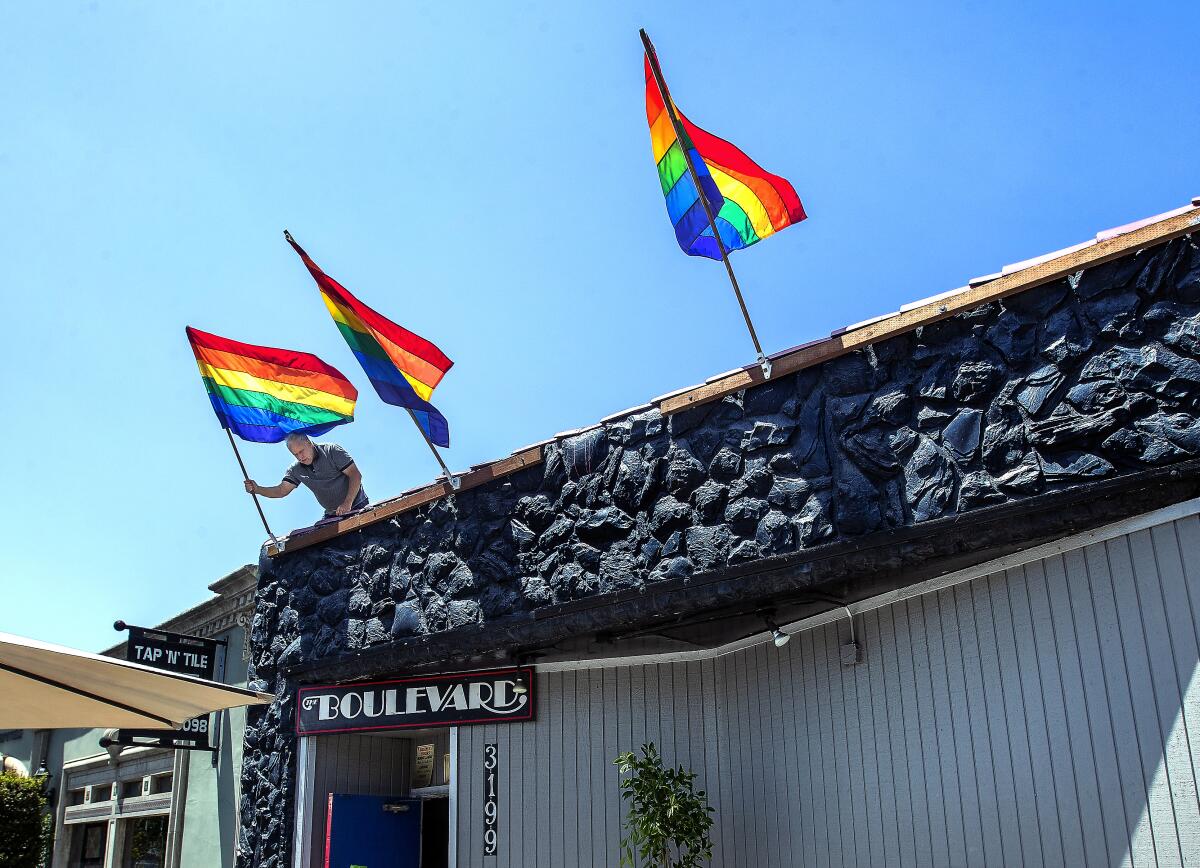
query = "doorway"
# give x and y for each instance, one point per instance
(89, 846)
(435, 832)
(355, 788)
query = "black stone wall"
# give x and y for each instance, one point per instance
(1073, 381)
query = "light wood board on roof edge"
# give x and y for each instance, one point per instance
(428, 494)
(1027, 278)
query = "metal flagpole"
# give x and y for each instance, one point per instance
(246, 475)
(763, 361)
(450, 477)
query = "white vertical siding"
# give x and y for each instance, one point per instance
(1048, 714)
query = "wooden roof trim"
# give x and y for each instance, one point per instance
(906, 320)
(483, 474)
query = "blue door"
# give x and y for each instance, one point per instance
(372, 832)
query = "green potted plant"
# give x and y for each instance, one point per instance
(668, 820)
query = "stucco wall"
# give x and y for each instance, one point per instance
(211, 812)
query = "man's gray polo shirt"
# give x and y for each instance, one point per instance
(324, 476)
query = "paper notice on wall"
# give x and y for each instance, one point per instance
(423, 770)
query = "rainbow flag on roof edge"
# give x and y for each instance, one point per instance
(749, 202)
(262, 394)
(403, 367)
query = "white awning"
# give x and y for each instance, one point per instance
(47, 686)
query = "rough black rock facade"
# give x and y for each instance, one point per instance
(1078, 380)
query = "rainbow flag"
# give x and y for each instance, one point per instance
(403, 367)
(262, 394)
(749, 202)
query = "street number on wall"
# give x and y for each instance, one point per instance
(491, 799)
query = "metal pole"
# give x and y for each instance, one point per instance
(450, 477)
(214, 732)
(246, 476)
(763, 361)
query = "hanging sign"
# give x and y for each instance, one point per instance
(494, 696)
(193, 735)
(174, 652)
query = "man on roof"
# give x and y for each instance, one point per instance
(326, 469)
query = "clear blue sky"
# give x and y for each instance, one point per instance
(481, 173)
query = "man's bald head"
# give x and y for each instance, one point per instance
(301, 446)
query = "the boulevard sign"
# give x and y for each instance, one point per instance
(437, 700)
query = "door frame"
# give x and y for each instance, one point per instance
(306, 769)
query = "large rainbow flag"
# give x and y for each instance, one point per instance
(403, 367)
(749, 202)
(262, 394)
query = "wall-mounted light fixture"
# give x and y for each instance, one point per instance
(43, 774)
(779, 637)
(520, 685)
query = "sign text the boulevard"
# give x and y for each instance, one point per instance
(440, 700)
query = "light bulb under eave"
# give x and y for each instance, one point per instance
(519, 687)
(780, 638)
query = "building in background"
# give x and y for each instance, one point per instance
(138, 807)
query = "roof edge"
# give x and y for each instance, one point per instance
(1110, 244)
(1181, 222)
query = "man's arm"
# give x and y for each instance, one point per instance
(352, 489)
(283, 489)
